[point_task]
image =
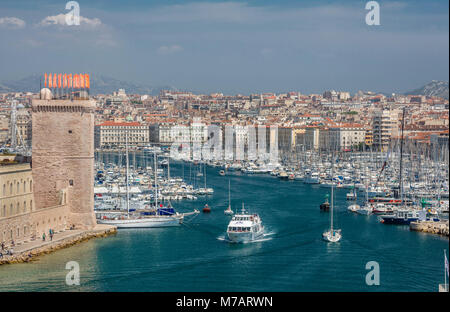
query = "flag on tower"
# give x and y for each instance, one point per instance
(88, 83)
(81, 81)
(45, 80)
(50, 81)
(76, 83)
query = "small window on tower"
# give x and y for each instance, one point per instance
(70, 131)
(71, 182)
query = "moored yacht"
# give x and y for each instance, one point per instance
(354, 207)
(312, 178)
(400, 217)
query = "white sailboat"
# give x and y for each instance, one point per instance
(228, 211)
(332, 235)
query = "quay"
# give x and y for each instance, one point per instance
(441, 227)
(28, 251)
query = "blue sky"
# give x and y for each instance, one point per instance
(232, 46)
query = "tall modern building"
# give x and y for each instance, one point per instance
(384, 125)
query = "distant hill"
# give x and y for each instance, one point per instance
(99, 85)
(434, 88)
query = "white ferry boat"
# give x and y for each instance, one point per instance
(245, 227)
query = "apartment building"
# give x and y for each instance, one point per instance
(114, 134)
(384, 125)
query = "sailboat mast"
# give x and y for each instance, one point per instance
(126, 171)
(401, 158)
(229, 194)
(168, 168)
(204, 172)
(332, 187)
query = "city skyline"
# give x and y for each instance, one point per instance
(233, 47)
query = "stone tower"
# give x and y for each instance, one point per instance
(63, 157)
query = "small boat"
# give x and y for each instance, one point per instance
(245, 227)
(354, 208)
(400, 217)
(382, 209)
(311, 178)
(326, 205)
(283, 175)
(365, 210)
(222, 172)
(206, 209)
(332, 236)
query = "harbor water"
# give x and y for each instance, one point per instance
(292, 257)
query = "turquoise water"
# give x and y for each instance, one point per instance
(193, 257)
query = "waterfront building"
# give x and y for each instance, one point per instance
(23, 128)
(311, 138)
(113, 134)
(4, 128)
(168, 133)
(345, 136)
(368, 141)
(16, 199)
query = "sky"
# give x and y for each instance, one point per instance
(232, 46)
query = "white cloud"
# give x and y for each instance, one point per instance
(169, 49)
(12, 22)
(60, 20)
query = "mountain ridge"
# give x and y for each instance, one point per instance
(433, 88)
(106, 85)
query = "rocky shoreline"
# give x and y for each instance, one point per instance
(34, 252)
(441, 228)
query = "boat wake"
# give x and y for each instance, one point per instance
(266, 237)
